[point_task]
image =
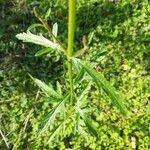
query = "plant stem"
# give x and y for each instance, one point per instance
(46, 26)
(71, 31)
(71, 26)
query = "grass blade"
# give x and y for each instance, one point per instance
(4, 138)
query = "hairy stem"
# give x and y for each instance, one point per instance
(71, 31)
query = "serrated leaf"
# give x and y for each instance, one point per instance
(79, 76)
(88, 123)
(82, 98)
(56, 131)
(49, 120)
(83, 133)
(43, 51)
(101, 82)
(47, 89)
(76, 65)
(37, 39)
(55, 29)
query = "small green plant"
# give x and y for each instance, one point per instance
(71, 109)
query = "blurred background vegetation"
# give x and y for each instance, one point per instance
(120, 49)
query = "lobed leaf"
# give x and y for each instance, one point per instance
(82, 98)
(49, 120)
(79, 76)
(46, 89)
(37, 39)
(88, 123)
(56, 131)
(101, 82)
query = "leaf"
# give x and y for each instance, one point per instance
(47, 13)
(79, 76)
(55, 29)
(56, 131)
(83, 133)
(101, 82)
(90, 37)
(49, 120)
(88, 123)
(37, 39)
(82, 98)
(46, 89)
(51, 100)
(34, 26)
(77, 66)
(79, 52)
(4, 139)
(59, 88)
(43, 51)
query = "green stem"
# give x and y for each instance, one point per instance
(46, 26)
(71, 31)
(71, 26)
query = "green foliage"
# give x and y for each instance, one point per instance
(98, 79)
(47, 89)
(36, 39)
(102, 83)
(117, 34)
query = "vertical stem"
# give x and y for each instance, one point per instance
(71, 30)
(71, 26)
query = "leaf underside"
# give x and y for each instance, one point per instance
(37, 39)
